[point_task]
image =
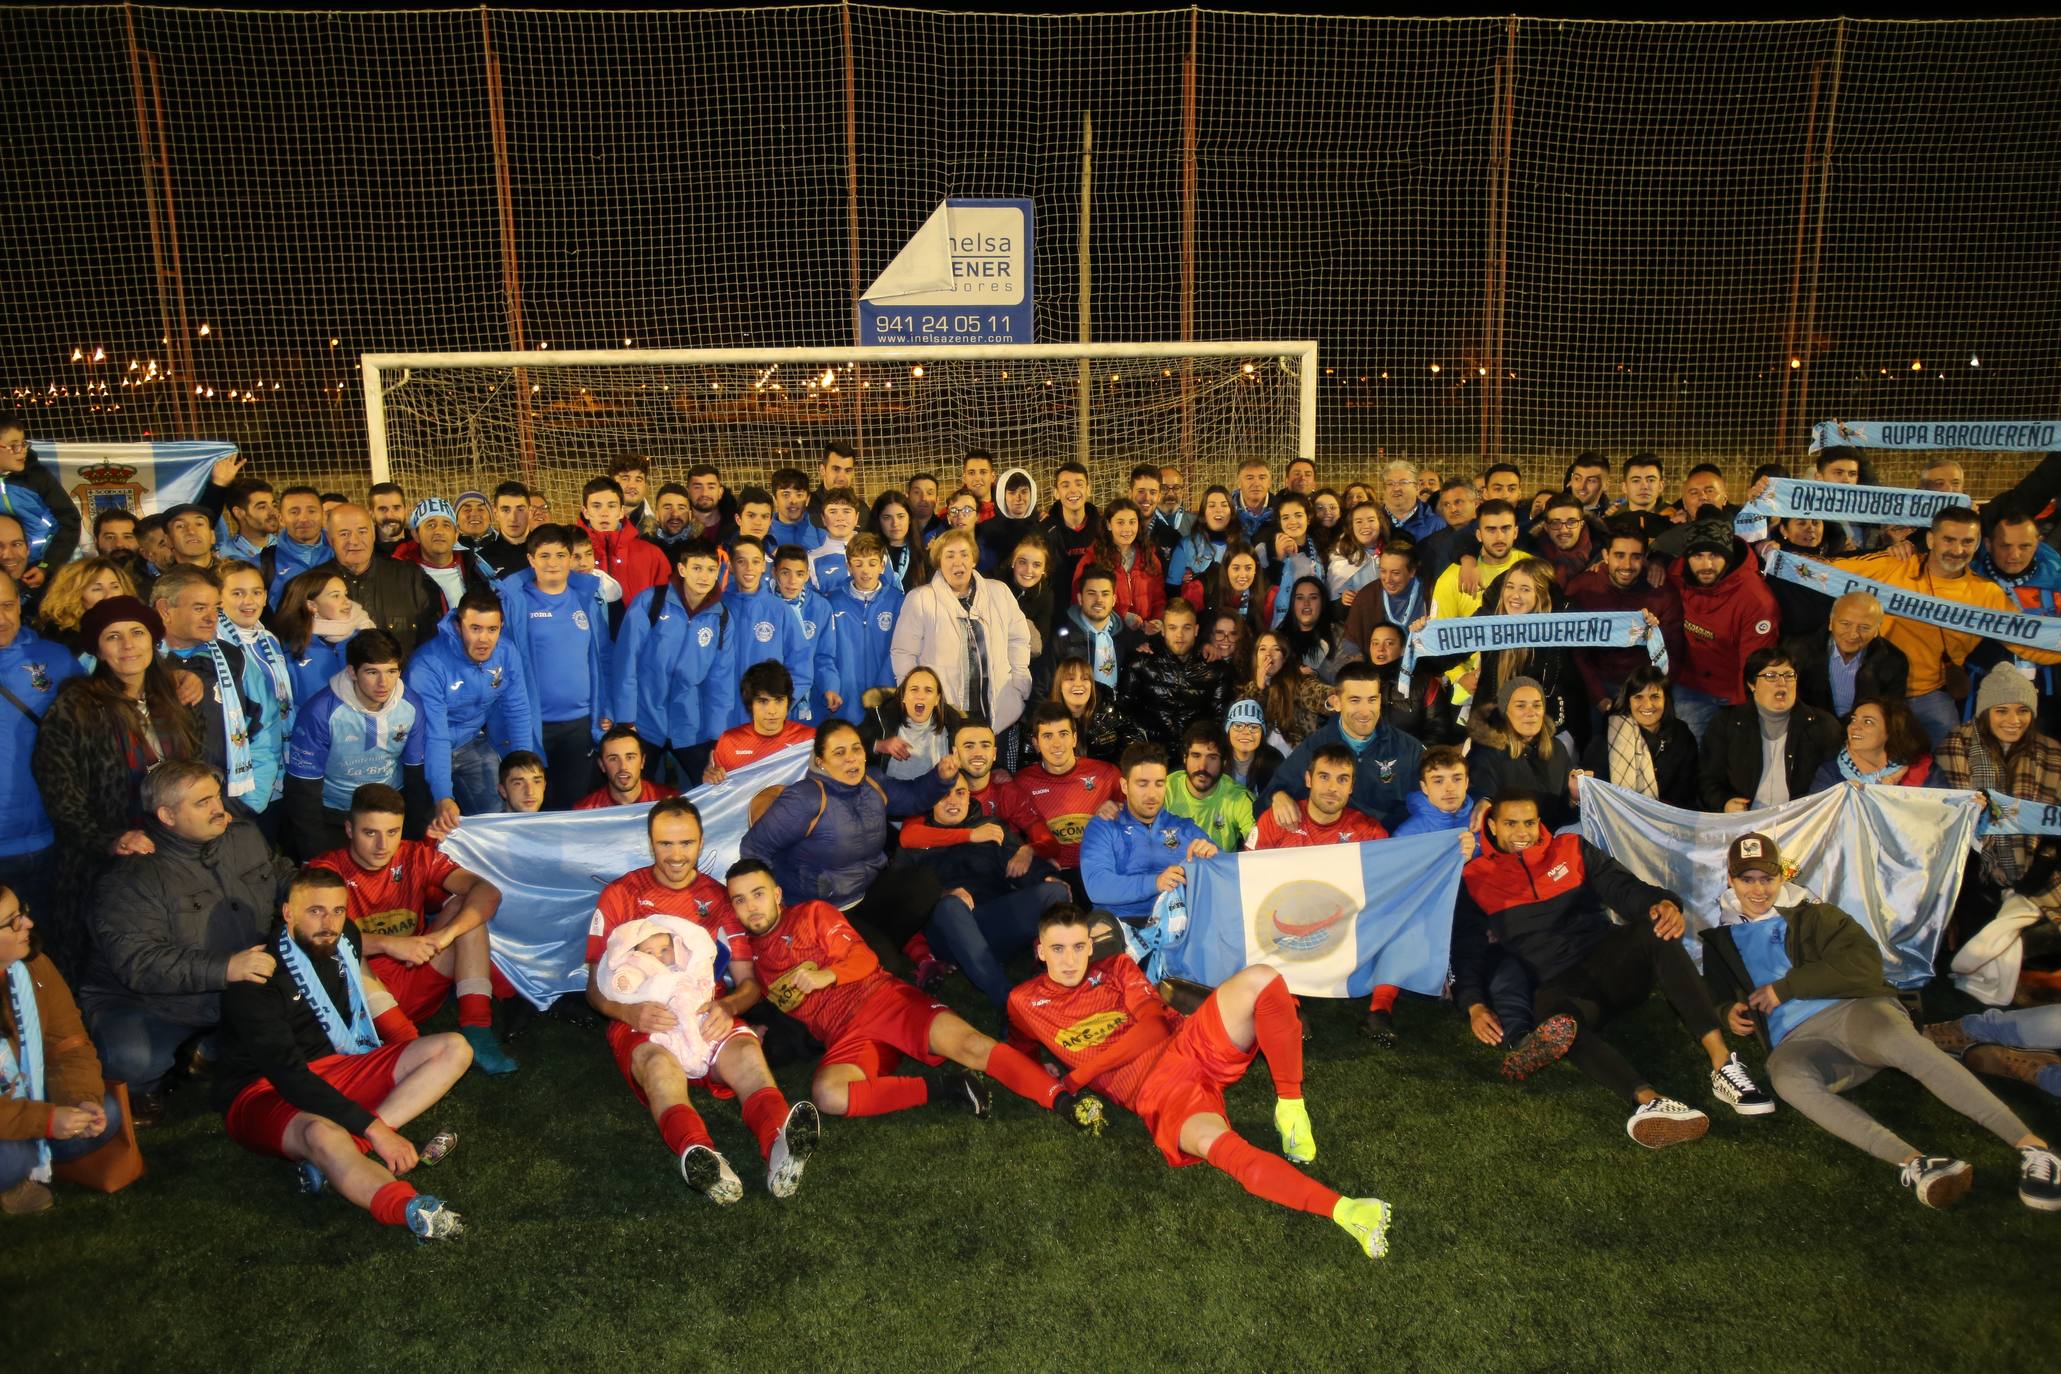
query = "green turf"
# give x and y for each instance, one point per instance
(1530, 1234)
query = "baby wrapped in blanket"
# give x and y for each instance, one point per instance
(674, 962)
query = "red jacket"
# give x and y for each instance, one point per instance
(1722, 625)
(1141, 591)
(629, 558)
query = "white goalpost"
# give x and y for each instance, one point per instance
(451, 421)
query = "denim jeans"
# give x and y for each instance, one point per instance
(2027, 1028)
(979, 939)
(18, 1157)
(476, 777)
(135, 1047)
(569, 771)
(1696, 709)
(1937, 712)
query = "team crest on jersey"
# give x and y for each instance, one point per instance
(1170, 837)
(808, 629)
(700, 907)
(494, 679)
(1087, 784)
(1386, 769)
(39, 676)
(705, 636)
(763, 632)
(885, 620)
(400, 735)
(579, 620)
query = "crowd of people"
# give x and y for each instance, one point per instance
(239, 730)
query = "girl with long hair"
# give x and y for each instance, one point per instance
(1205, 545)
(1140, 581)
(895, 522)
(75, 589)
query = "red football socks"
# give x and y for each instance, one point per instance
(681, 1126)
(879, 1096)
(917, 948)
(475, 1009)
(390, 1204)
(1270, 1176)
(1279, 1033)
(1020, 1074)
(1384, 997)
(764, 1113)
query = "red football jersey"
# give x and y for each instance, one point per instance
(817, 933)
(1349, 828)
(1078, 1023)
(599, 797)
(639, 894)
(1052, 811)
(397, 899)
(742, 744)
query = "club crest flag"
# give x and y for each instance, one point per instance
(552, 865)
(144, 478)
(1336, 919)
(1890, 857)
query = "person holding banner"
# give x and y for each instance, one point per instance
(2002, 751)
(1129, 859)
(2029, 571)
(1727, 614)
(1515, 747)
(1542, 897)
(1384, 758)
(1942, 579)
(1884, 746)
(1803, 612)
(320, 1069)
(1109, 1026)
(1768, 752)
(1808, 979)
(1621, 584)
(35, 496)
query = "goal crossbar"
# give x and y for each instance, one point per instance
(373, 365)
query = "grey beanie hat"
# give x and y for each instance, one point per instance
(2004, 685)
(1510, 689)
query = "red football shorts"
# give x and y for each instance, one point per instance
(623, 1042)
(1189, 1080)
(258, 1118)
(891, 1023)
(418, 988)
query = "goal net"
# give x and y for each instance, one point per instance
(453, 421)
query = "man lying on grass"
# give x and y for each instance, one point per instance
(1542, 897)
(1809, 979)
(1109, 1026)
(818, 970)
(305, 1077)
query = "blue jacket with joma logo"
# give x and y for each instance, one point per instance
(459, 698)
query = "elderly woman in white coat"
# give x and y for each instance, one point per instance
(967, 629)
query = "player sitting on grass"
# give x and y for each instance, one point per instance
(1101, 1019)
(821, 973)
(305, 1076)
(641, 1031)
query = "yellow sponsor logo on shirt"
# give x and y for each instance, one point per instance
(1090, 1031)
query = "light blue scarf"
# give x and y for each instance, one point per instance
(21, 1077)
(354, 1036)
(270, 653)
(1475, 634)
(1851, 771)
(235, 728)
(2011, 626)
(1790, 498)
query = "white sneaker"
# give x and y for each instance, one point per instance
(709, 1174)
(1735, 1087)
(1938, 1181)
(1664, 1122)
(2039, 1179)
(792, 1148)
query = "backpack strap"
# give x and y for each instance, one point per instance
(822, 805)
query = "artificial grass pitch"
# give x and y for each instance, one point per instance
(1530, 1234)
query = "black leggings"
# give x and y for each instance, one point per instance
(1615, 977)
(895, 909)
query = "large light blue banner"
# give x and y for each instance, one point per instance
(1970, 436)
(1337, 919)
(551, 866)
(144, 478)
(1890, 857)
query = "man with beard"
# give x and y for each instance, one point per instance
(389, 515)
(253, 515)
(1946, 571)
(673, 520)
(1327, 813)
(301, 544)
(622, 768)
(2029, 571)
(1220, 809)
(321, 1069)
(1728, 614)
(1621, 584)
(1175, 685)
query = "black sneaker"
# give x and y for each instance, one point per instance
(1735, 1087)
(2039, 1179)
(965, 1091)
(1938, 1181)
(1379, 1026)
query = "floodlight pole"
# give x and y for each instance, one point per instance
(1803, 210)
(511, 265)
(1810, 308)
(851, 202)
(1189, 120)
(164, 229)
(1086, 372)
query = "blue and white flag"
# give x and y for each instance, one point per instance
(143, 478)
(1890, 857)
(2009, 815)
(1474, 634)
(552, 865)
(1337, 919)
(2011, 626)
(1969, 436)
(1787, 498)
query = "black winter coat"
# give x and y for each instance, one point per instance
(1166, 693)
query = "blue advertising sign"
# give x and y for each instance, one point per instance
(965, 278)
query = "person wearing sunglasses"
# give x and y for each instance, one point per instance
(1769, 750)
